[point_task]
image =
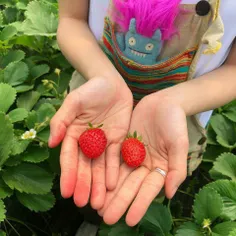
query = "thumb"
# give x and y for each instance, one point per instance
(63, 118)
(177, 170)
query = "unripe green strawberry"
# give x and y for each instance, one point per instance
(133, 151)
(93, 142)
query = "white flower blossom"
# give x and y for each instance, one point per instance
(31, 134)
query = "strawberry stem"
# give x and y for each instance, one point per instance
(90, 125)
(135, 134)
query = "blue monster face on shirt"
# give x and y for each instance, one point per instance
(138, 48)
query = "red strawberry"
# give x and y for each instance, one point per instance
(133, 151)
(93, 142)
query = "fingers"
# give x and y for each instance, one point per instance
(112, 165)
(177, 170)
(125, 196)
(69, 164)
(98, 183)
(62, 119)
(124, 173)
(83, 184)
(150, 188)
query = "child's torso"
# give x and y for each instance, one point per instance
(206, 63)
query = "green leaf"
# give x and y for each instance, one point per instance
(13, 161)
(2, 211)
(207, 205)
(226, 165)
(7, 33)
(41, 19)
(31, 120)
(28, 41)
(19, 145)
(225, 130)
(12, 56)
(10, 14)
(229, 111)
(1, 19)
(37, 203)
(28, 100)
(64, 81)
(45, 112)
(21, 6)
(5, 191)
(41, 118)
(2, 233)
(232, 233)
(211, 136)
(156, 219)
(18, 114)
(8, 95)
(215, 175)
(28, 178)
(224, 228)
(16, 73)
(23, 88)
(212, 152)
(226, 189)
(35, 154)
(118, 229)
(6, 137)
(39, 70)
(44, 135)
(54, 101)
(189, 229)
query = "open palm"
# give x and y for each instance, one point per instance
(99, 101)
(163, 127)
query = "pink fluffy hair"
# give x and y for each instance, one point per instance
(150, 15)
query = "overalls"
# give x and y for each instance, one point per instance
(183, 51)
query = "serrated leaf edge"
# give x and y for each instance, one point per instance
(197, 195)
(15, 62)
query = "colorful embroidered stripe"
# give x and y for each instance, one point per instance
(141, 79)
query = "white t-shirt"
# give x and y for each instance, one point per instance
(98, 10)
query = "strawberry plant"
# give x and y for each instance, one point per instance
(34, 77)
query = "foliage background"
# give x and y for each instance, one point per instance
(34, 77)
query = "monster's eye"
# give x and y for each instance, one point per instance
(132, 41)
(149, 47)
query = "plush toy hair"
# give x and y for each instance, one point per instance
(150, 15)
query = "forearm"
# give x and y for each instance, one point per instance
(210, 91)
(82, 50)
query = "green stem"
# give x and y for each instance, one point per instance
(182, 220)
(208, 180)
(189, 194)
(5, 228)
(12, 227)
(22, 223)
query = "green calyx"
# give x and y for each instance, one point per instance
(94, 127)
(134, 135)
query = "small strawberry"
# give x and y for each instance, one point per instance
(93, 142)
(133, 150)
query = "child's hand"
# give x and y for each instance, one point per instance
(99, 101)
(163, 127)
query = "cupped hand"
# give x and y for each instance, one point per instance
(163, 126)
(98, 101)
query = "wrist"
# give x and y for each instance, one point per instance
(164, 99)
